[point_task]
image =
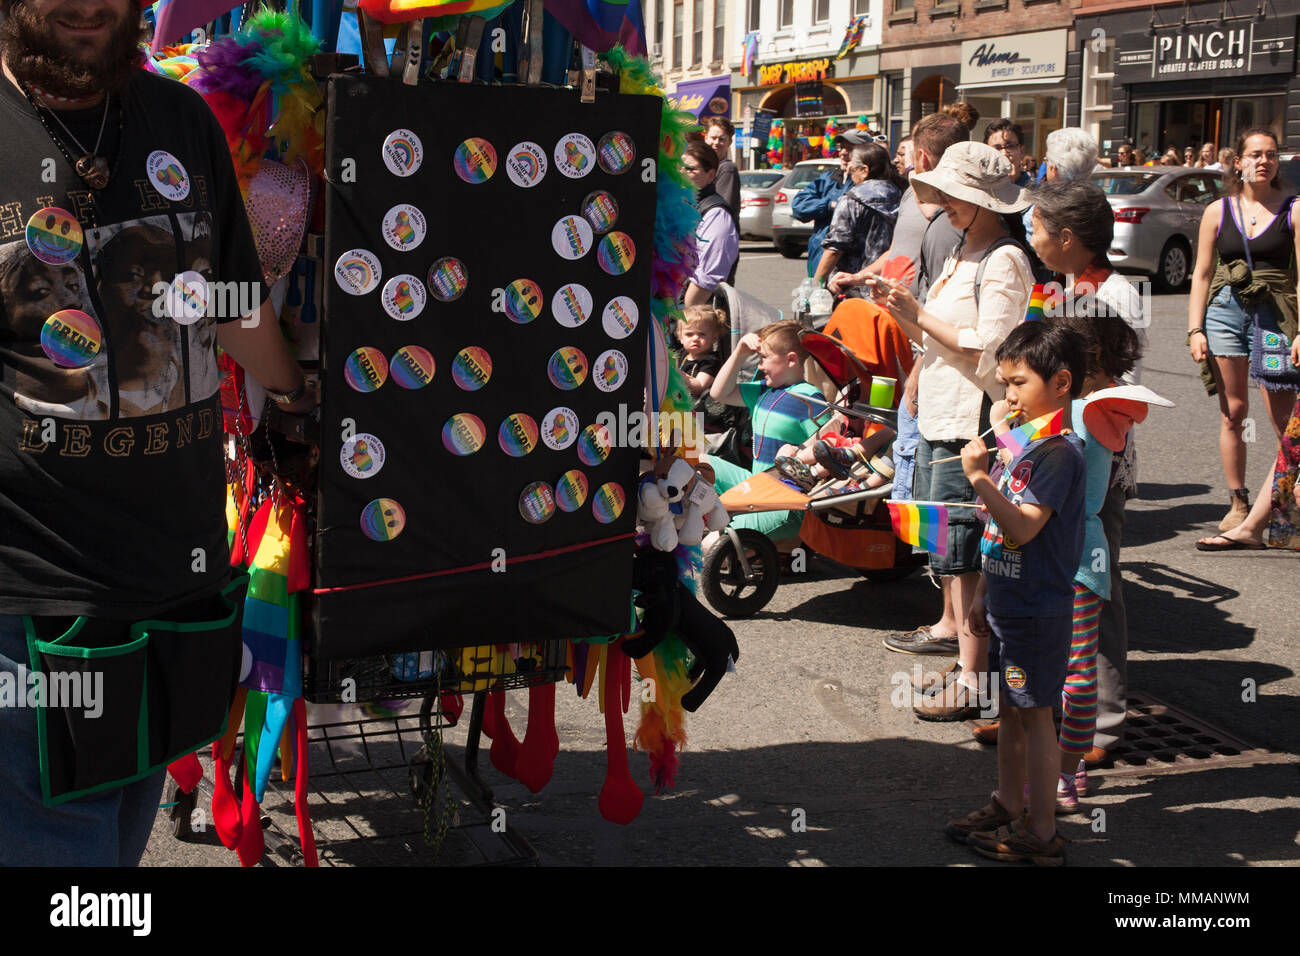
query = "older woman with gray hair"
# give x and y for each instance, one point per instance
(1071, 155)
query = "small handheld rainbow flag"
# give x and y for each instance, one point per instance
(1036, 300)
(1018, 439)
(921, 524)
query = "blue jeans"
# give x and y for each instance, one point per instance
(106, 829)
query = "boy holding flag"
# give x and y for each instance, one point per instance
(1023, 606)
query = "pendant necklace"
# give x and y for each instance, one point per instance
(91, 167)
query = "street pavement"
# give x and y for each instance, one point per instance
(803, 758)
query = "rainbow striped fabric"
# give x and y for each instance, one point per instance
(921, 524)
(1018, 439)
(1036, 300)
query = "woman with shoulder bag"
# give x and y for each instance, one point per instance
(1242, 319)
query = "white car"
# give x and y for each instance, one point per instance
(789, 235)
(758, 189)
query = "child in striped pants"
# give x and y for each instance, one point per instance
(1113, 349)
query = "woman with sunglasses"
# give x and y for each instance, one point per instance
(717, 241)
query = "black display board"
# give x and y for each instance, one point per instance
(489, 184)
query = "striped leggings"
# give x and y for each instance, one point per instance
(1079, 696)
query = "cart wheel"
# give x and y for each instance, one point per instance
(724, 582)
(886, 575)
(182, 810)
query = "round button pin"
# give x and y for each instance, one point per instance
(448, 279)
(567, 368)
(526, 164)
(366, 369)
(616, 152)
(571, 305)
(616, 253)
(471, 368)
(357, 271)
(475, 160)
(71, 338)
(187, 298)
(517, 435)
(402, 152)
(463, 434)
(571, 491)
(362, 456)
(383, 519)
(608, 501)
(575, 155)
(571, 237)
(593, 445)
(523, 301)
(404, 227)
(610, 370)
(601, 210)
(620, 317)
(167, 175)
(559, 428)
(412, 367)
(403, 297)
(54, 235)
(537, 502)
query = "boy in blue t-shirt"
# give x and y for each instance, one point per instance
(1025, 600)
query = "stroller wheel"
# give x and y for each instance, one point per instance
(180, 813)
(723, 578)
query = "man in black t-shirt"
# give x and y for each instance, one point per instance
(117, 184)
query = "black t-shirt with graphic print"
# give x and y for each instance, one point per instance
(111, 465)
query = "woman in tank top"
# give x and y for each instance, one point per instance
(1254, 276)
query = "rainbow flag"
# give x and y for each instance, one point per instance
(921, 524)
(852, 36)
(1037, 298)
(1018, 439)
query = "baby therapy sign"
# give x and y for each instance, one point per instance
(1020, 56)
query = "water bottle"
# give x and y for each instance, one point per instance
(799, 305)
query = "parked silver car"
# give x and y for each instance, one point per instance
(788, 234)
(758, 189)
(1158, 213)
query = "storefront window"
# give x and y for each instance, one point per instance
(1158, 125)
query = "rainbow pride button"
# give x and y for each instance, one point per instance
(620, 317)
(608, 501)
(366, 369)
(523, 301)
(402, 152)
(616, 253)
(357, 271)
(601, 210)
(412, 367)
(471, 368)
(71, 338)
(571, 305)
(615, 153)
(571, 491)
(383, 519)
(517, 435)
(475, 160)
(593, 445)
(463, 434)
(54, 236)
(448, 279)
(567, 368)
(537, 502)
(560, 428)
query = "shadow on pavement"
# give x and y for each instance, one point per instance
(1171, 611)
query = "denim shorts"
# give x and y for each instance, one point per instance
(1030, 655)
(947, 482)
(1227, 327)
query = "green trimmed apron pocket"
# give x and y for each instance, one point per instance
(123, 700)
(192, 674)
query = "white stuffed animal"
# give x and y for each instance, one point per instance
(655, 501)
(703, 512)
(679, 507)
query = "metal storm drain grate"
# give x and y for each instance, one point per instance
(1161, 738)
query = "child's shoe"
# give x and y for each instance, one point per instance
(837, 461)
(1016, 842)
(1067, 796)
(984, 820)
(796, 472)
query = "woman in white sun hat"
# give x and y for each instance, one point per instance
(982, 294)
